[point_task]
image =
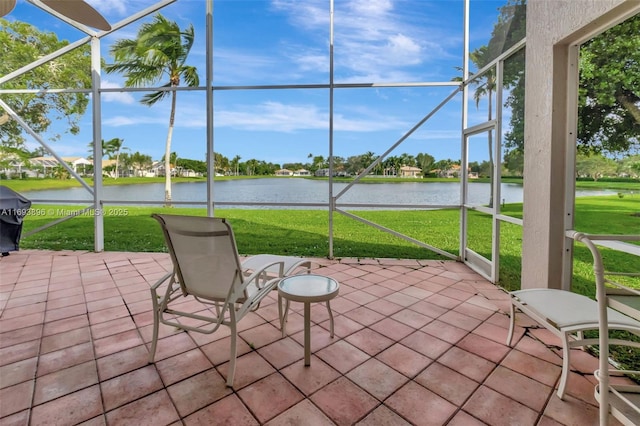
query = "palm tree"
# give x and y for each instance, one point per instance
(161, 48)
(112, 147)
(485, 86)
(236, 163)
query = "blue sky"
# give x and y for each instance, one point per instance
(276, 42)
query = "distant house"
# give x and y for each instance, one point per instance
(78, 164)
(284, 172)
(409, 171)
(302, 172)
(322, 172)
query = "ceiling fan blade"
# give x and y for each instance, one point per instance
(79, 11)
(6, 6)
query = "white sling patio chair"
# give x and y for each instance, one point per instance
(206, 266)
(568, 315)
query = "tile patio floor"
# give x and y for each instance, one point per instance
(417, 342)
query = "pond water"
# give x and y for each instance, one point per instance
(297, 190)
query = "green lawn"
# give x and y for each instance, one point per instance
(305, 233)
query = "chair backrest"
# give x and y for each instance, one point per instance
(204, 255)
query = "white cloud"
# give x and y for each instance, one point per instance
(119, 97)
(279, 117)
(373, 38)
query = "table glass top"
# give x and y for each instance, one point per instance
(308, 285)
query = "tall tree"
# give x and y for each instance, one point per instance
(113, 147)
(160, 49)
(21, 44)
(609, 101)
(609, 90)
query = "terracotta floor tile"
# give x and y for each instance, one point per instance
(174, 344)
(261, 335)
(21, 311)
(219, 351)
(73, 408)
(527, 391)
(108, 314)
(463, 419)
(227, 411)
(404, 360)
(344, 402)
(282, 352)
(466, 363)
(402, 299)
(538, 349)
(66, 312)
(18, 372)
(379, 291)
(130, 386)
(420, 406)
(17, 419)
(270, 396)
(312, 377)
(198, 391)
(360, 297)
(392, 329)
(249, 368)
(377, 378)
(63, 382)
(19, 352)
(16, 398)
(183, 365)
(444, 331)
(122, 362)
(427, 345)
(460, 320)
(303, 413)
(428, 309)
(22, 335)
(64, 302)
(383, 416)
(369, 341)
(64, 325)
(483, 347)
(342, 326)
(449, 384)
(412, 318)
(572, 411)
(384, 307)
(443, 301)
(151, 410)
(532, 367)
(59, 341)
(22, 322)
(64, 358)
(364, 315)
(116, 343)
(496, 409)
(109, 328)
(342, 356)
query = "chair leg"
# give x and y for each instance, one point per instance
(512, 323)
(566, 354)
(154, 340)
(234, 348)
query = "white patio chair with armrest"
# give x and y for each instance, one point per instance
(567, 315)
(206, 266)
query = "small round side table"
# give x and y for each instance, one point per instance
(306, 288)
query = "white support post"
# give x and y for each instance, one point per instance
(98, 218)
